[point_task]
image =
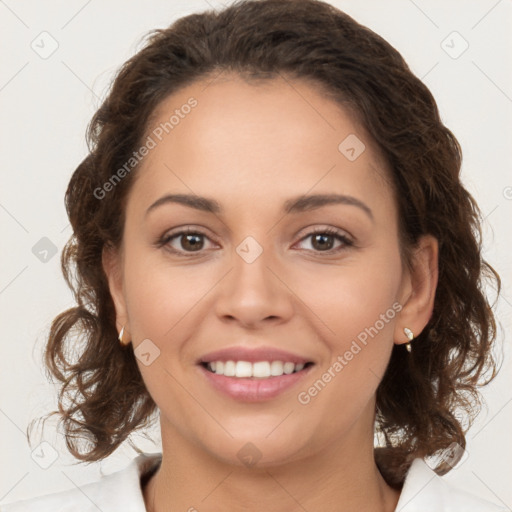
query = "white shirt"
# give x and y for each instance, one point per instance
(423, 491)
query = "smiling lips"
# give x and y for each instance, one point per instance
(253, 374)
(260, 369)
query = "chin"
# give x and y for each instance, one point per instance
(258, 449)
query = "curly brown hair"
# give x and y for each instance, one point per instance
(103, 398)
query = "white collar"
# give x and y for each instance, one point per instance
(423, 491)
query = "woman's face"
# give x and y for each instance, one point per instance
(292, 256)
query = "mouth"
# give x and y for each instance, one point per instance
(254, 370)
(255, 375)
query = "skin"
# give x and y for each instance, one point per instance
(251, 147)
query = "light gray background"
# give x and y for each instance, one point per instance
(46, 104)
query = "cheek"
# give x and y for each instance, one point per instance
(352, 299)
(358, 309)
(160, 297)
(163, 303)
(354, 309)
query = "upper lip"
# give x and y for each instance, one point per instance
(253, 355)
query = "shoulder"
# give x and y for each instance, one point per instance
(424, 491)
(117, 491)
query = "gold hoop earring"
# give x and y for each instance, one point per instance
(410, 337)
(120, 337)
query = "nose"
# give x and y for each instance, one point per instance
(255, 294)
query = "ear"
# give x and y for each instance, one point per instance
(418, 289)
(112, 266)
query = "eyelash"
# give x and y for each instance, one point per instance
(164, 241)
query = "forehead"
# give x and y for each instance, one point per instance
(258, 140)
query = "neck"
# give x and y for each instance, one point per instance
(343, 478)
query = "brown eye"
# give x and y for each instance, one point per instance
(191, 242)
(185, 242)
(324, 241)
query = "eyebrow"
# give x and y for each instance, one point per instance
(293, 205)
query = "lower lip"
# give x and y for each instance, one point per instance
(254, 389)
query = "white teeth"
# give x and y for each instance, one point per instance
(229, 369)
(259, 370)
(276, 368)
(243, 369)
(288, 368)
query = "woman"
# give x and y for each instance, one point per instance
(272, 224)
